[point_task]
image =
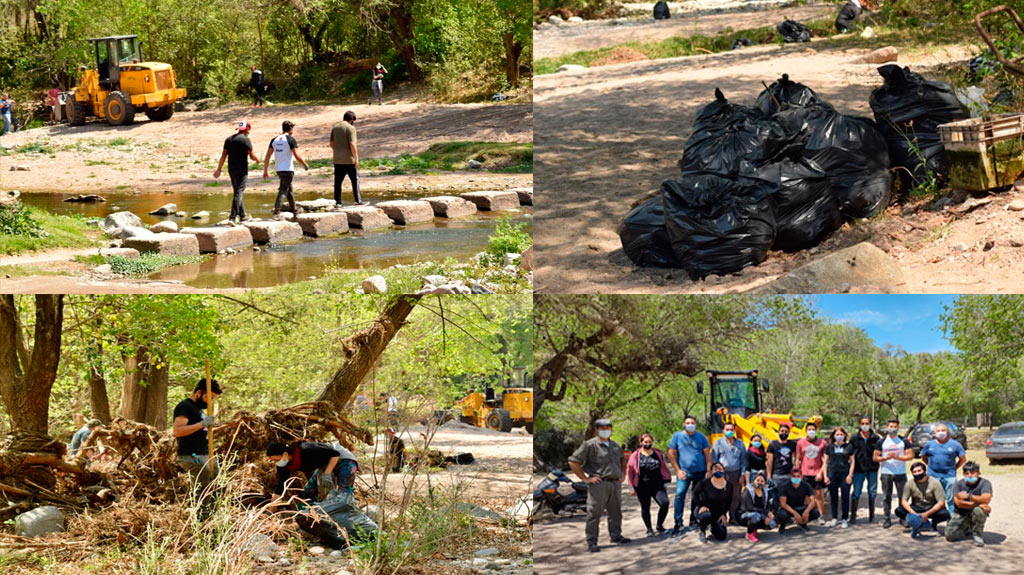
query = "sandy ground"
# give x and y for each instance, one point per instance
(180, 154)
(560, 548)
(608, 136)
(551, 41)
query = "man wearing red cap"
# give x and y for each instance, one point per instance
(237, 151)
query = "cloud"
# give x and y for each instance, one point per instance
(868, 317)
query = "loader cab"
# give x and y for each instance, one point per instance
(110, 53)
(735, 391)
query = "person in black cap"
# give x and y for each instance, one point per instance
(307, 457)
(237, 151)
(190, 429)
(601, 464)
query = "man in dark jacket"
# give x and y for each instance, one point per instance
(258, 84)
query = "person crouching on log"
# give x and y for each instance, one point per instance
(190, 428)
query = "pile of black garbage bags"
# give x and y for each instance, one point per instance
(782, 174)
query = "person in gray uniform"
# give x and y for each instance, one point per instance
(601, 464)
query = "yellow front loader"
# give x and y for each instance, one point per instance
(735, 397)
(122, 84)
(485, 409)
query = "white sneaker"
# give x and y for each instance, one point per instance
(821, 521)
(846, 524)
(833, 523)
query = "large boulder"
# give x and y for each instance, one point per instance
(39, 521)
(493, 200)
(164, 227)
(318, 205)
(451, 206)
(366, 217)
(525, 195)
(274, 232)
(165, 244)
(120, 252)
(375, 284)
(863, 268)
(133, 232)
(120, 220)
(165, 210)
(526, 260)
(405, 212)
(214, 240)
(318, 225)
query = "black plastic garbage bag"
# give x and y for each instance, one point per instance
(793, 31)
(847, 14)
(806, 211)
(852, 152)
(645, 237)
(719, 225)
(742, 43)
(785, 93)
(909, 110)
(731, 140)
(661, 11)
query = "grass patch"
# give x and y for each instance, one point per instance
(31, 148)
(213, 184)
(147, 263)
(98, 163)
(18, 271)
(26, 229)
(115, 142)
(505, 157)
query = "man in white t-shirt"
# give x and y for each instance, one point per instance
(893, 454)
(285, 150)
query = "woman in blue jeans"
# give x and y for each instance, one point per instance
(6, 105)
(838, 462)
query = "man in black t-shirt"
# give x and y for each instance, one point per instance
(258, 84)
(780, 454)
(865, 468)
(237, 151)
(796, 502)
(190, 429)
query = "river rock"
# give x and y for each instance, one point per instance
(493, 200)
(120, 252)
(375, 284)
(862, 267)
(526, 260)
(165, 244)
(9, 198)
(405, 212)
(575, 19)
(486, 552)
(39, 521)
(318, 205)
(180, 214)
(318, 225)
(451, 206)
(120, 220)
(366, 217)
(164, 210)
(555, 19)
(162, 227)
(20, 168)
(474, 164)
(134, 232)
(86, 199)
(200, 215)
(260, 545)
(273, 232)
(525, 195)
(1015, 206)
(217, 239)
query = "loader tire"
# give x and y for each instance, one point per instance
(118, 109)
(499, 420)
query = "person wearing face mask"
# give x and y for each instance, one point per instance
(732, 454)
(892, 455)
(972, 497)
(810, 458)
(839, 462)
(923, 503)
(780, 454)
(190, 427)
(689, 453)
(309, 457)
(712, 499)
(756, 510)
(865, 468)
(600, 463)
(756, 456)
(944, 456)
(647, 473)
(796, 502)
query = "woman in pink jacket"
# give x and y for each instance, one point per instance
(647, 473)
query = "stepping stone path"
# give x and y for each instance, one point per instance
(525, 195)
(366, 217)
(213, 240)
(405, 212)
(320, 205)
(451, 206)
(274, 232)
(493, 200)
(318, 225)
(165, 244)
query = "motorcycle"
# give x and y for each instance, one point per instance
(557, 493)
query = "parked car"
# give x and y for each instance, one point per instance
(1007, 442)
(922, 433)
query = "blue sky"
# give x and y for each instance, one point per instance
(909, 321)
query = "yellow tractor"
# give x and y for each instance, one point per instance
(513, 409)
(122, 84)
(735, 397)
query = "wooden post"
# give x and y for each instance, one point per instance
(209, 411)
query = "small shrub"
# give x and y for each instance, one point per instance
(17, 220)
(147, 263)
(509, 238)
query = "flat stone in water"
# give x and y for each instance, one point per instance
(274, 232)
(367, 217)
(165, 244)
(405, 212)
(493, 200)
(451, 206)
(318, 205)
(213, 240)
(525, 195)
(318, 225)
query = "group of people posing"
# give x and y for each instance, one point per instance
(284, 148)
(770, 485)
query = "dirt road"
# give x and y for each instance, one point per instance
(552, 41)
(607, 136)
(559, 547)
(181, 154)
